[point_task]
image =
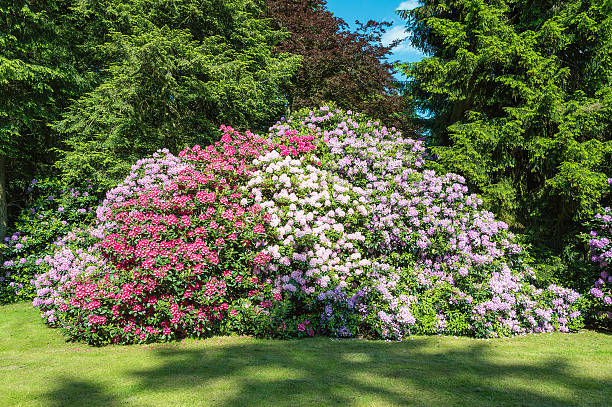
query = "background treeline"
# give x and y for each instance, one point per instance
(89, 86)
(515, 95)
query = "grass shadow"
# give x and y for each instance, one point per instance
(323, 372)
(72, 392)
(391, 374)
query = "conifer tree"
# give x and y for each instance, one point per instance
(521, 100)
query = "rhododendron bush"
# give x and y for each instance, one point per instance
(53, 210)
(600, 242)
(327, 225)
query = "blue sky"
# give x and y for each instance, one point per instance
(380, 10)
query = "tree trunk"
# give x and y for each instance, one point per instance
(3, 210)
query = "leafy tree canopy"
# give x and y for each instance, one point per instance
(40, 70)
(350, 68)
(42, 67)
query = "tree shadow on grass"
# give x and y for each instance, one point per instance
(600, 328)
(340, 372)
(71, 392)
(346, 373)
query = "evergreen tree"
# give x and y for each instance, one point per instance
(41, 69)
(521, 105)
(173, 72)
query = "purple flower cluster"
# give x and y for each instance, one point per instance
(72, 260)
(600, 242)
(53, 211)
(601, 238)
(159, 170)
(427, 234)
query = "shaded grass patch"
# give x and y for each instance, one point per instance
(38, 368)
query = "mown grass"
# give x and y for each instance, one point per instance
(38, 368)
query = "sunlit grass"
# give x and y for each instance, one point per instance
(38, 368)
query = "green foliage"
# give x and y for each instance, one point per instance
(42, 67)
(38, 73)
(522, 107)
(53, 210)
(173, 72)
(105, 81)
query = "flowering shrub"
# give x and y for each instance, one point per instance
(180, 237)
(600, 241)
(53, 211)
(317, 220)
(75, 256)
(327, 226)
(438, 256)
(179, 251)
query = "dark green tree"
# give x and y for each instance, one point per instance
(41, 69)
(173, 72)
(521, 104)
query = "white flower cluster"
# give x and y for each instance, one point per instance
(318, 230)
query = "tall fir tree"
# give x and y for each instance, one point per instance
(521, 101)
(42, 68)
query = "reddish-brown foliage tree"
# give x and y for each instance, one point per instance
(350, 68)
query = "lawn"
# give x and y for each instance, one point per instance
(38, 368)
